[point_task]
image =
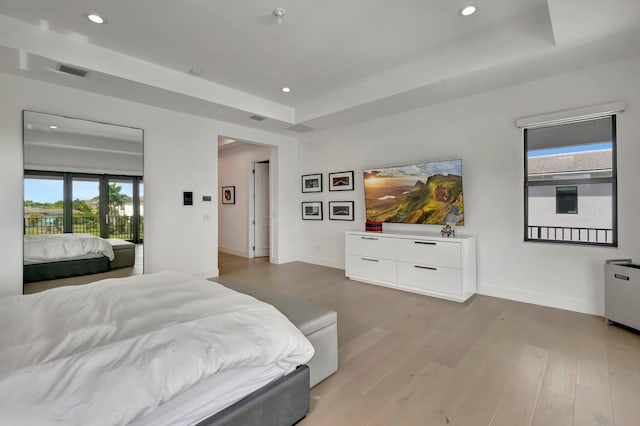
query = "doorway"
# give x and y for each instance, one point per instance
(246, 225)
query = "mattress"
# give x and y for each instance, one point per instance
(115, 351)
(50, 248)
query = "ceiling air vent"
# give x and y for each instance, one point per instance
(257, 117)
(72, 70)
(300, 128)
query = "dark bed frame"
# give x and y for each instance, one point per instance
(283, 402)
(64, 269)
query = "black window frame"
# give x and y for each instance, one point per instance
(567, 182)
(103, 181)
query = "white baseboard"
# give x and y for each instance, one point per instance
(592, 307)
(280, 260)
(322, 261)
(585, 306)
(209, 273)
(234, 252)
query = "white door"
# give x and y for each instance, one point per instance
(261, 213)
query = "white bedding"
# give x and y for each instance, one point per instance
(47, 248)
(211, 395)
(111, 352)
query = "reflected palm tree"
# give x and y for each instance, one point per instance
(116, 199)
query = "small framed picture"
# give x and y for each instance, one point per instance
(312, 210)
(312, 183)
(228, 195)
(340, 210)
(341, 181)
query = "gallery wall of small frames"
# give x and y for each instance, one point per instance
(338, 210)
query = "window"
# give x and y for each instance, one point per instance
(101, 205)
(43, 204)
(564, 163)
(566, 199)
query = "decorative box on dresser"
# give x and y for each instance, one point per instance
(418, 262)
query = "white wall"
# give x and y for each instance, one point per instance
(180, 153)
(481, 131)
(233, 219)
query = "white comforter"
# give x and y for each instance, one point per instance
(46, 248)
(110, 352)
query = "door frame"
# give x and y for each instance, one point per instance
(252, 206)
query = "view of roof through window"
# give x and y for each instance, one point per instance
(570, 149)
(595, 159)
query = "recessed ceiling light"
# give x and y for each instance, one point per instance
(286, 89)
(95, 18)
(467, 10)
(53, 127)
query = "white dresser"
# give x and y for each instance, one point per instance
(418, 262)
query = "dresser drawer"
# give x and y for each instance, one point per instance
(372, 246)
(434, 253)
(371, 268)
(430, 278)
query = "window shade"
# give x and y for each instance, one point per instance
(570, 116)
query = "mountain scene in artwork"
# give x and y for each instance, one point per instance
(426, 193)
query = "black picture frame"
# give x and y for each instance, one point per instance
(341, 181)
(341, 210)
(312, 183)
(312, 210)
(228, 195)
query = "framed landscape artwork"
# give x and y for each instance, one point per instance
(228, 195)
(340, 210)
(341, 181)
(312, 210)
(312, 183)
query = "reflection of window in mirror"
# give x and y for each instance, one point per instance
(83, 201)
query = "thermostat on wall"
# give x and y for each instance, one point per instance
(206, 198)
(187, 198)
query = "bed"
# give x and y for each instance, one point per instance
(48, 257)
(162, 348)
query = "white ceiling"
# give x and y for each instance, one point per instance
(41, 122)
(346, 61)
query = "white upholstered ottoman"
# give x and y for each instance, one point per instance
(317, 323)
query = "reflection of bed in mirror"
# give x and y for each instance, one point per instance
(49, 257)
(82, 177)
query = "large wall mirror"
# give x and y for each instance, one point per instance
(83, 201)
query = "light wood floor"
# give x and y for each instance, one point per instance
(406, 359)
(85, 279)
